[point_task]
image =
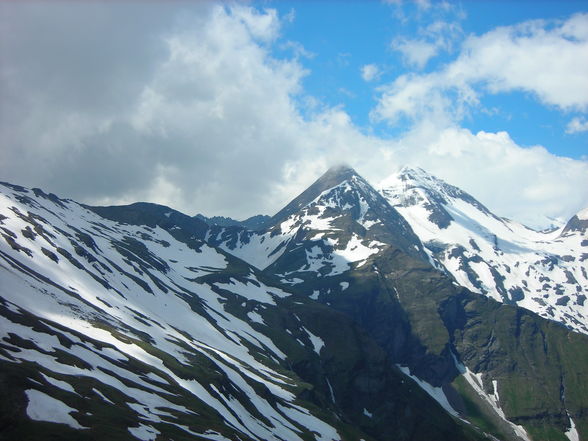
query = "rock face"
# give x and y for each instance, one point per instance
(253, 223)
(332, 322)
(545, 272)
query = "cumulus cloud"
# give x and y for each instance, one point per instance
(503, 60)
(370, 72)
(491, 165)
(189, 101)
(512, 180)
(577, 125)
(415, 52)
(438, 31)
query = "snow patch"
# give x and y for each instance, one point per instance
(58, 383)
(435, 392)
(255, 317)
(475, 380)
(144, 433)
(572, 433)
(42, 407)
(316, 341)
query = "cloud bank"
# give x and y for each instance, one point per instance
(188, 106)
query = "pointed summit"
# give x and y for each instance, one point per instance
(331, 178)
(339, 171)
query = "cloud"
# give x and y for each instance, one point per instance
(438, 36)
(577, 125)
(186, 106)
(527, 184)
(415, 52)
(503, 60)
(370, 72)
(190, 101)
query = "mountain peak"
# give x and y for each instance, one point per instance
(415, 176)
(337, 174)
(331, 178)
(416, 171)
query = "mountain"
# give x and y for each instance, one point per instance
(329, 323)
(252, 223)
(544, 272)
(425, 322)
(335, 224)
(140, 330)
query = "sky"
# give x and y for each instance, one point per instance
(234, 108)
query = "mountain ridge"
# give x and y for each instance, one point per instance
(541, 271)
(345, 330)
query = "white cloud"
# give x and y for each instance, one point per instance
(370, 72)
(416, 53)
(549, 60)
(434, 38)
(194, 103)
(526, 184)
(192, 111)
(577, 125)
(491, 165)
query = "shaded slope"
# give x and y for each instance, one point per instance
(142, 331)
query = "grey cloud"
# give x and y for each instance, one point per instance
(108, 101)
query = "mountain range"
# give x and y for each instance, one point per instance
(410, 312)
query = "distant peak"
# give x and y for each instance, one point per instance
(340, 169)
(414, 172)
(331, 178)
(336, 175)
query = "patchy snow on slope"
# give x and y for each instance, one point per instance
(137, 283)
(58, 383)
(253, 290)
(255, 317)
(356, 250)
(317, 342)
(435, 392)
(144, 433)
(544, 272)
(475, 381)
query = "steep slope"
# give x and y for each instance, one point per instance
(421, 318)
(334, 226)
(332, 323)
(544, 272)
(138, 331)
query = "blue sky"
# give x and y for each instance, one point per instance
(233, 108)
(343, 36)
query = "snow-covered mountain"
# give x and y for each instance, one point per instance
(545, 272)
(113, 330)
(329, 323)
(334, 225)
(119, 313)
